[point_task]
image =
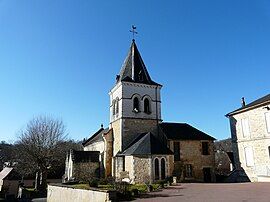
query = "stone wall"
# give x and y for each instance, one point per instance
(191, 153)
(108, 153)
(133, 127)
(58, 193)
(86, 171)
(97, 146)
(116, 126)
(129, 167)
(258, 140)
(142, 169)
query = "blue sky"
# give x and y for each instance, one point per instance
(60, 58)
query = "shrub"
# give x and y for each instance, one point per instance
(135, 192)
(93, 183)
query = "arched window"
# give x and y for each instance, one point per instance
(156, 169)
(163, 169)
(136, 104)
(146, 106)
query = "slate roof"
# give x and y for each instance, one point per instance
(85, 156)
(96, 137)
(183, 131)
(146, 144)
(254, 104)
(133, 69)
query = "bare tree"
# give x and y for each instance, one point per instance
(40, 147)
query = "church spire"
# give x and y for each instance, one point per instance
(133, 69)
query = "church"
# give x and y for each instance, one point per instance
(137, 145)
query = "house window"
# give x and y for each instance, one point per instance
(249, 156)
(163, 169)
(117, 106)
(136, 104)
(189, 171)
(269, 151)
(205, 148)
(124, 163)
(245, 127)
(176, 149)
(267, 120)
(156, 169)
(113, 107)
(146, 106)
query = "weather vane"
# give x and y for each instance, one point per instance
(133, 31)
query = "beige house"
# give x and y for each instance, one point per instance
(138, 146)
(250, 131)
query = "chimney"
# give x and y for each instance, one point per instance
(243, 102)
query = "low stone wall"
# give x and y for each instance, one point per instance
(58, 192)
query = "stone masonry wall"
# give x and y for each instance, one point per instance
(259, 141)
(133, 127)
(86, 171)
(117, 139)
(142, 169)
(191, 153)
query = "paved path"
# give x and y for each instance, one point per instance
(244, 192)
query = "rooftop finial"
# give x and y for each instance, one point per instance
(133, 31)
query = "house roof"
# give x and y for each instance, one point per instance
(183, 131)
(257, 103)
(96, 137)
(146, 144)
(5, 172)
(85, 156)
(133, 69)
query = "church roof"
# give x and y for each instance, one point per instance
(259, 102)
(146, 144)
(96, 137)
(183, 131)
(133, 69)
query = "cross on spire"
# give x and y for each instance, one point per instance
(133, 31)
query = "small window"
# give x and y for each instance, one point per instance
(124, 164)
(136, 104)
(249, 156)
(116, 106)
(147, 106)
(205, 148)
(113, 107)
(267, 120)
(245, 127)
(189, 171)
(269, 151)
(176, 149)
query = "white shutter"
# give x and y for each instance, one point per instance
(245, 127)
(249, 156)
(267, 120)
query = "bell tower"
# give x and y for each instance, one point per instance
(135, 101)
